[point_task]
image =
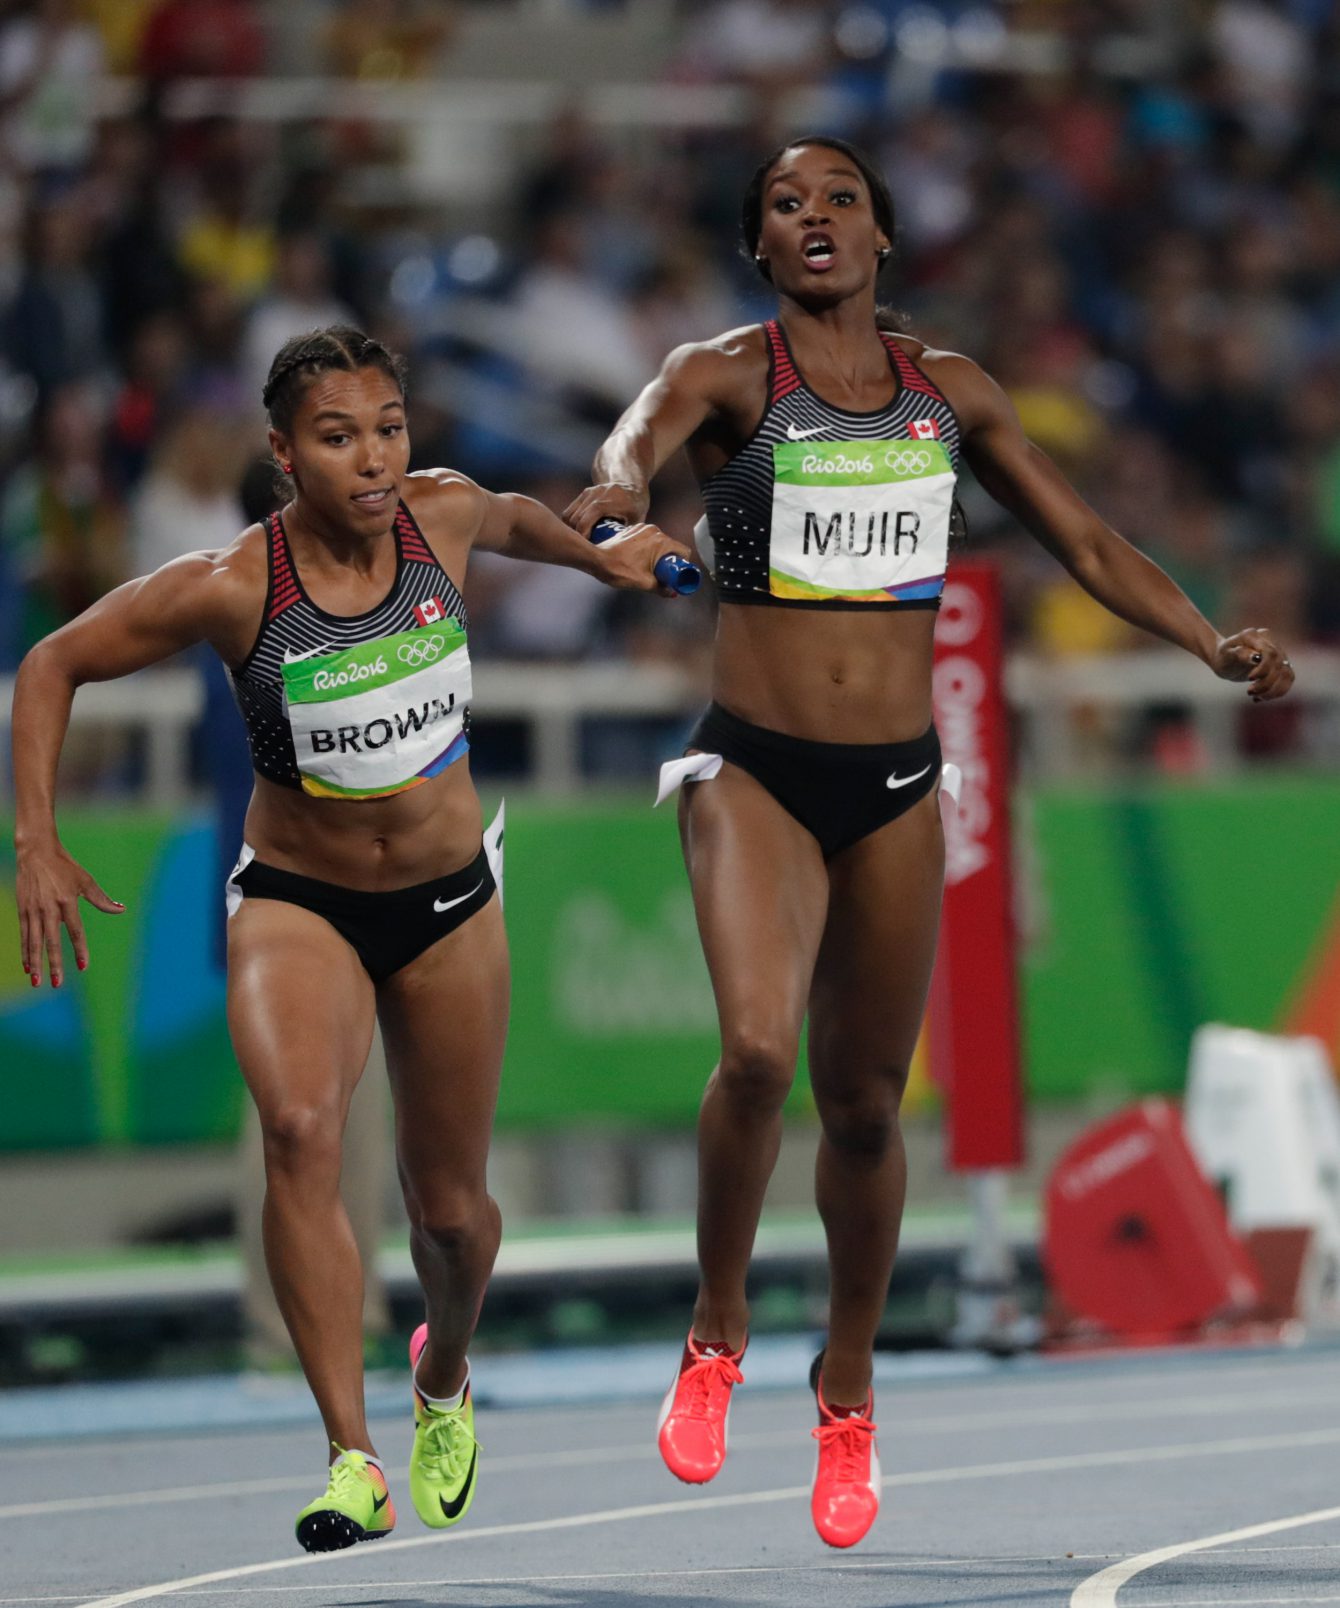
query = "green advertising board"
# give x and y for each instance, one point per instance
(1144, 912)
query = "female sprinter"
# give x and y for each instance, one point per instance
(362, 887)
(827, 449)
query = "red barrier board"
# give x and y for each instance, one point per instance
(974, 1014)
(1136, 1237)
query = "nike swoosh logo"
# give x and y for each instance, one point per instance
(445, 904)
(452, 1509)
(379, 1502)
(902, 781)
(295, 658)
(792, 434)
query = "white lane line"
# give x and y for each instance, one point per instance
(935, 1476)
(486, 1532)
(1100, 1590)
(888, 1565)
(900, 1562)
(1192, 1407)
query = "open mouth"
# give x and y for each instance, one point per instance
(375, 499)
(818, 250)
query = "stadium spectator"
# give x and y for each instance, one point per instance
(50, 61)
(61, 525)
(300, 299)
(389, 38)
(188, 499)
(53, 328)
(202, 39)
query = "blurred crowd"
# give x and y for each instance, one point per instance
(1128, 211)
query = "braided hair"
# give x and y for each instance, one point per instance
(320, 350)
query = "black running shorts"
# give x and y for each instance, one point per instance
(386, 930)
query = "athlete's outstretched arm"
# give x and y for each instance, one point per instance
(1023, 479)
(138, 624)
(520, 527)
(692, 381)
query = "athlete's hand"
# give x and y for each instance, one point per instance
(48, 888)
(617, 500)
(629, 559)
(1252, 656)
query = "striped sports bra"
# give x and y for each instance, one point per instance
(824, 508)
(363, 705)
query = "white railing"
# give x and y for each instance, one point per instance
(1055, 703)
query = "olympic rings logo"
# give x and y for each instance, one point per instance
(908, 460)
(419, 652)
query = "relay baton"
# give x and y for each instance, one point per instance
(670, 570)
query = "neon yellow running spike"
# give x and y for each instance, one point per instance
(356, 1507)
(445, 1458)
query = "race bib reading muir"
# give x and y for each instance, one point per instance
(381, 717)
(860, 521)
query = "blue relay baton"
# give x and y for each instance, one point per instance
(670, 570)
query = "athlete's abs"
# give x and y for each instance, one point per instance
(837, 678)
(374, 845)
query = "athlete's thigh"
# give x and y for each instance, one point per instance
(878, 950)
(760, 892)
(444, 1026)
(300, 1007)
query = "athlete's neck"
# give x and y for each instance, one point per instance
(838, 343)
(319, 542)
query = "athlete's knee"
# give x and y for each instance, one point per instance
(302, 1137)
(758, 1066)
(863, 1122)
(450, 1217)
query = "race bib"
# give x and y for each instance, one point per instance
(860, 521)
(381, 717)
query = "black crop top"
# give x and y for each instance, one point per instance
(823, 508)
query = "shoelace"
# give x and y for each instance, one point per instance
(447, 1444)
(343, 1475)
(848, 1441)
(704, 1377)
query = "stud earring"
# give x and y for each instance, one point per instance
(287, 468)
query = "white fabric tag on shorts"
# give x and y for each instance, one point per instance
(232, 894)
(692, 768)
(493, 847)
(951, 782)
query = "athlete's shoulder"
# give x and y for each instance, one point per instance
(222, 577)
(965, 385)
(444, 502)
(213, 595)
(731, 346)
(715, 368)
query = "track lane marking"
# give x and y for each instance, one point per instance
(1100, 1590)
(1194, 1407)
(939, 1476)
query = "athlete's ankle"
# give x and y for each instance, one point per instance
(713, 1325)
(442, 1383)
(845, 1380)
